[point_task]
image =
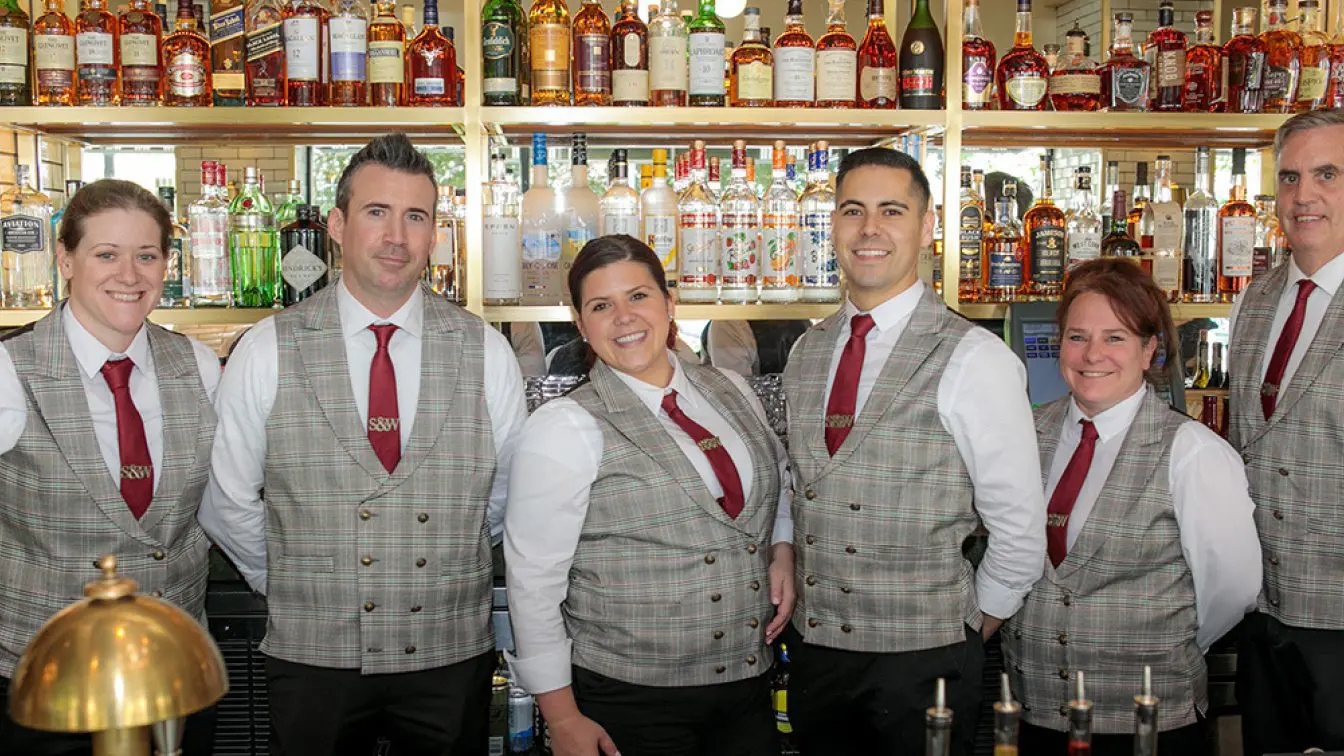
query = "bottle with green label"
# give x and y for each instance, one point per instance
(503, 29)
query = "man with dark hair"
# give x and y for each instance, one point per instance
(909, 427)
(358, 480)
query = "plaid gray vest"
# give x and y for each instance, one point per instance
(384, 572)
(1122, 598)
(666, 589)
(879, 526)
(60, 510)
(1293, 460)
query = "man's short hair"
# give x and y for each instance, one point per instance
(1314, 119)
(393, 151)
(887, 158)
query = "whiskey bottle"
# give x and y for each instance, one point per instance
(228, 22)
(1075, 84)
(25, 245)
(348, 34)
(978, 58)
(211, 276)
(618, 210)
(1164, 52)
(1044, 227)
(141, 36)
(501, 265)
(658, 203)
(387, 57)
(1004, 254)
(543, 231)
(1134, 218)
(820, 269)
(1334, 95)
(1271, 246)
(1283, 60)
(1200, 282)
(1208, 413)
(837, 61)
(432, 64)
(780, 225)
(1119, 242)
(1203, 69)
(98, 59)
(1315, 58)
(305, 267)
(921, 62)
(795, 62)
(698, 226)
(441, 273)
(253, 247)
(304, 51)
(1023, 76)
(548, 33)
(667, 58)
(54, 56)
(630, 58)
(264, 51)
(186, 56)
(15, 88)
(592, 55)
(177, 277)
(1082, 224)
(877, 62)
(503, 31)
(1245, 56)
(1236, 234)
(705, 57)
(741, 222)
(1124, 78)
(971, 233)
(750, 76)
(1110, 186)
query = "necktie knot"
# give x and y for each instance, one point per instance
(1304, 289)
(670, 403)
(860, 325)
(383, 333)
(118, 373)
(1089, 431)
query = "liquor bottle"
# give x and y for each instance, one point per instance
(779, 699)
(629, 58)
(253, 245)
(741, 221)
(971, 233)
(441, 273)
(580, 207)
(1082, 224)
(1022, 76)
(780, 226)
(1051, 54)
(795, 62)
(186, 57)
(1124, 78)
(72, 186)
(25, 245)
(978, 58)
(1001, 269)
(1200, 280)
(305, 267)
(177, 277)
(98, 61)
(1271, 245)
(877, 62)
(503, 48)
(1236, 233)
(264, 53)
(1134, 217)
(978, 185)
(1007, 719)
(646, 178)
(1164, 52)
(658, 205)
(1080, 718)
(938, 723)
(1203, 69)
(750, 76)
(820, 269)
(1216, 375)
(431, 62)
(698, 226)
(618, 210)
(1208, 414)
(667, 58)
(1112, 183)
(208, 221)
(1245, 56)
(348, 33)
(921, 62)
(304, 51)
(501, 265)
(1044, 228)
(1164, 215)
(706, 57)
(287, 205)
(460, 218)
(54, 56)
(15, 88)
(1315, 58)
(543, 230)
(1145, 717)
(548, 30)
(1334, 93)
(1119, 243)
(228, 23)
(141, 34)
(592, 55)
(1075, 84)
(837, 61)
(387, 57)
(1283, 60)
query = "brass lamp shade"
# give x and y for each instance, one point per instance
(115, 660)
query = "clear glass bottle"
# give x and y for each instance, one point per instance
(978, 59)
(659, 206)
(186, 57)
(668, 71)
(15, 79)
(820, 268)
(580, 205)
(543, 232)
(305, 50)
(1083, 225)
(1124, 78)
(549, 30)
(431, 63)
(1075, 84)
(26, 249)
(1283, 60)
(741, 222)
(387, 57)
(141, 39)
(98, 59)
(1200, 279)
(618, 210)
(629, 58)
(54, 55)
(501, 266)
(878, 86)
(780, 223)
(177, 278)
(1203, 69)
(208, 222)
(1245, 56)
(253, 245)
(698, 226)
(1022, 75)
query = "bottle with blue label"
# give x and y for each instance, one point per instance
(543, 232)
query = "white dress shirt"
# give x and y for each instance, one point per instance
(982, 403)
(90, 355)
(234, 513)
(1211, 500)
(1327, 279)
(554, 468)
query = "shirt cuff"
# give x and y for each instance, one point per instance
(996, 599)
(544, 672)
(783, 532)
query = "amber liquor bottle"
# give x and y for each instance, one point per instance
(54, 56)
(1315, 58)
(837, 61)
(1044, 228)
(921, 62)
(1165, 54)
(1203, 69)
(228, 28)
(1023, 75)
(1002, 267)
(387, 57)
(264, 54)
(1283, 60)
(1236, 234)
(1124, 78)
(751, 66)
(186, 56)
(548, 33)
(971, 230)
(141, 34)
(630, 58)
(795, 62)
(98, 61)
(431, 63)
(305, 48)
(1134, 217)
(1075, 84)
(877, 62)
(1334, 92)
(1245, 56)
(592, 55)
(978, 58)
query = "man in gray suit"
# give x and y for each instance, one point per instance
(354, 482)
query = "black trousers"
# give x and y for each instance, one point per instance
(198, 739)
(1191, 740)
(729, 719)
(1290, 686)
(317, 711)
(849, 702)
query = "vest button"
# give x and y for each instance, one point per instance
(1063, 639)
(369, 606)
(1273, 602)
(855, 507)
(1064, 710)
(1245, 459)
(1273, 560)
(812, 623)
(422, 517)
(1067, 600)
(410, 649)
(158, 556)
(1278, 514)
(718, 635)
(416, 608)
(753, 622)
(709, 559)
(157, 594)
(1063, 674)
(809, 494)
(716, 597)
(365, 514)
(420, 562)
(845, 589)
(811, 540)
(811, 580)
(751, 659)
(850, 550)
(755, 585)
(366, 560)
(1283, 471)
(846, 629)
(751, 548)
(720, 669)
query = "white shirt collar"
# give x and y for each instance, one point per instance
(892, 312)
(1329, 277)
(356, 318)
(652, 396)
(1114, 421)
(92, 354)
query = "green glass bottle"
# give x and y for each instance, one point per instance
(503, 36)
(921, 62)
(706, 57)
(252, 246)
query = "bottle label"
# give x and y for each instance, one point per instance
(592, 60)
(55, 53)
(1005, 269)
(23, 234)
(386, 62)
(173, 289)
(549, 44)
(1026, 92)
(13, 52)
(1238, 246)
(613, 225)
(300, 268)
(1278, 82)
(837, 75)
(301, 34)
(1311, 87)
(794, 74)
(660, 233)
(741, 250)
(976, 81)
(699, 249)
(1171, 68)
(1075, 84)
(1130, 86)
(971, 233)
(1262, 261)
(1047, 254)
(94, 48)
(1084, 246)
(630, 85)
(541, 247)
(227, 25)
(139, 50)
(497, 45)
(917, 82)
(667, 63)
(706, 61)
(877, 84)
(1167, 272)
(780, 254)
(429, 86)
(501, 268)
(630, 45)
(753, 82)
(349, 41)
(186, 78)
(1247, 71)
(1167, 226)
(445, 246)
(820, 267)
(576, 236)
(226, 49)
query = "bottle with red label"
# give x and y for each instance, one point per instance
(921, 62)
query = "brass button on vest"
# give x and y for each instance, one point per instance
(1064, 710)
(716, 597)
(369, 606)
(420, 562)
(158, 556)
(422, 517)
(846, 629)
(1067, 600)
(855, 507)
(1063, 639)
(718, 635)
(755, 585)
(809, 494)
(1278, 515)
(811, 580)
(811, 540)
(845, 589)
(751, 548)
(851, 550)
(416, 608)
(1283, 471)
(720, 669)
(365, 514)
(751, 659)
(1273, 560)
(753, 622)
(410, 649)
(1063, 674)
(709, 559)
(812, 623)
(366, 560)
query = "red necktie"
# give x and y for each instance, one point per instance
(845, 390)
(384, 420)
(137, 468)
(1283, 348)
(724, 469)
(1066, 494)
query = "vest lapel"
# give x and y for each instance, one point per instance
(1325, 347)
(1252, 339)
(729, 402)
(1050, 421)
(180, 398)
(813, 373)
(441, 349)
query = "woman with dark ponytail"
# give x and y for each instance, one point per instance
(647, 536)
